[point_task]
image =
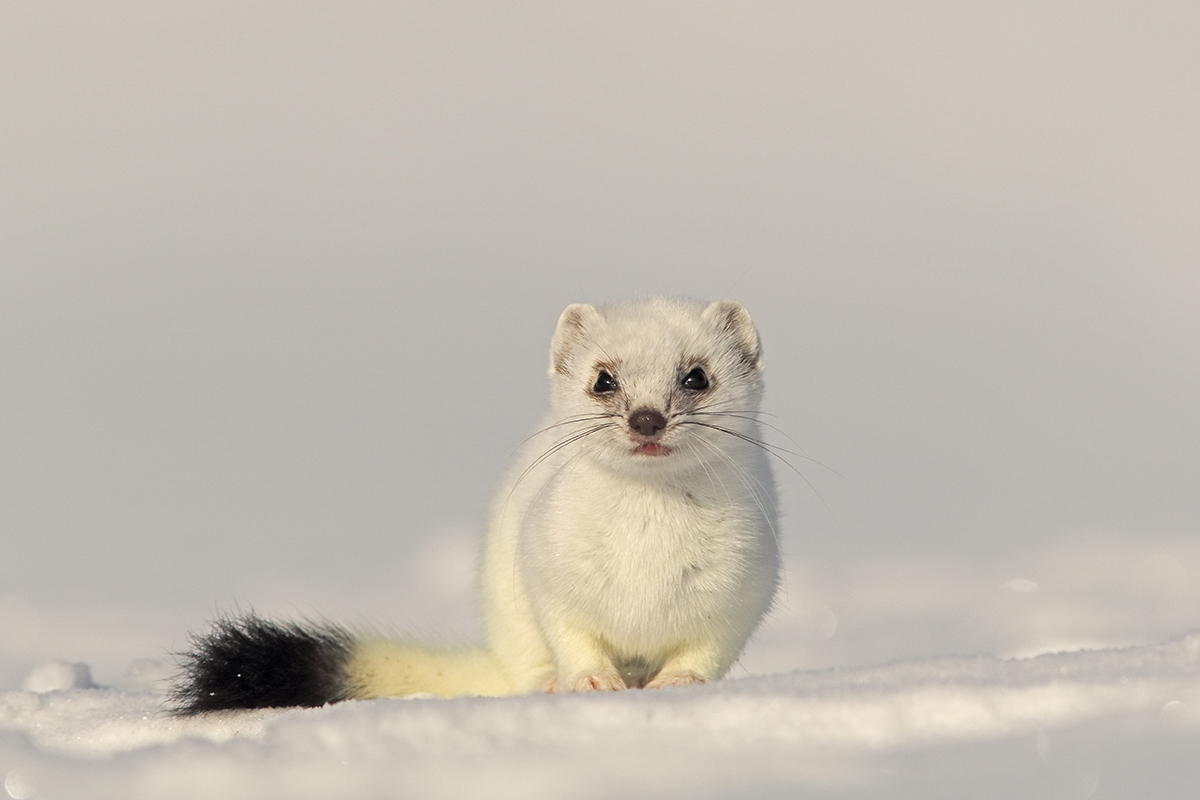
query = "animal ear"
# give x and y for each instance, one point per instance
(573, 327)
(732, 318)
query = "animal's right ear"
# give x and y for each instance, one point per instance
(732, 317)
(573, 327)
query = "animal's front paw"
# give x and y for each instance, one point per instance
(590, 682)
(664, 679)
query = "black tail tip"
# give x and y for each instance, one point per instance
(249, 662)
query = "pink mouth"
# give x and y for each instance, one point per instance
(652, 449)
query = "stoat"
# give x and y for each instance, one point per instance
(631, 542)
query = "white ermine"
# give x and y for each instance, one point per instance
(631, 543)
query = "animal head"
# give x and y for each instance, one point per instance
(658, 382)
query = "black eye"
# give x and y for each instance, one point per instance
(695, 380)
(605, 383)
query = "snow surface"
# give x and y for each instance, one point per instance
(1073, 706)
(1099, 723)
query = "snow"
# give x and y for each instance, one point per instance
(1084, 723)
(848, 691)
(845, 732)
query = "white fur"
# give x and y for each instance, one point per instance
(606, 565)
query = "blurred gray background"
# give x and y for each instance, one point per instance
(277, 282)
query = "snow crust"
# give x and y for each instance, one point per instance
(838, 732)
(1068, 709)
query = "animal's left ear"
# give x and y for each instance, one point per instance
(574, 326)
(733, 319)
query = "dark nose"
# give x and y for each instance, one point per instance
(647, 422)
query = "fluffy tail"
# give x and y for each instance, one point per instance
(249, 662)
